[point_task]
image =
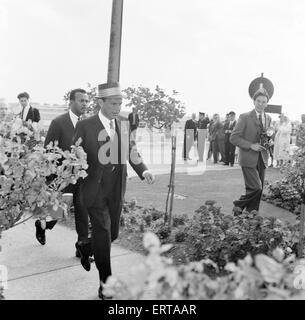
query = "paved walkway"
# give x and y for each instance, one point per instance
(52, 272)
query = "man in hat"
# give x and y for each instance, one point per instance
(202, 134)
(28, 113)
(106, 143)
(253, 156)
(62, 130)
(229, 147)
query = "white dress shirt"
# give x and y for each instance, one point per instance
(263, 117)
(25, 112)
(74, 118)
(106, 123)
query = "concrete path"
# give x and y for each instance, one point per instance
(52, 272)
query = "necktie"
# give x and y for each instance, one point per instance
(22, 112)
(112, 131)
(261, 121)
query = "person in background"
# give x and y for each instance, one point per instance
(282, 141)
(299, 142)
(202, 134)
(216, 136)
(190, 136)
(229, 147)
(62, 130)
(134, 120)
(28, 113)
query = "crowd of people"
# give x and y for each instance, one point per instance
(99, 197)
(218, 132)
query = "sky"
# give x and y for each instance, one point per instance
(207, 50)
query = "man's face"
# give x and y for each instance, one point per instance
(231, 117)
(24, 102)
(201, 116)
(79, 105)
(111, 106)
(260, 103)
(194, 116)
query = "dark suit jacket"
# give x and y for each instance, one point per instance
(33, 115)
(130, 119)
(62, 130)
(230, 128)
(247, 132)
(203, 124)
(216, 131)
(190, 124)
(90, 131)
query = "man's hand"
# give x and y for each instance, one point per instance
(257, 147)
(150, 179)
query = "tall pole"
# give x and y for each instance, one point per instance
(115, 41)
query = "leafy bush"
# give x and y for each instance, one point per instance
(283, 194)
(289, 192)
(260, 277)
(210, 234)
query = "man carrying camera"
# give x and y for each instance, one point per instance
(250, 135)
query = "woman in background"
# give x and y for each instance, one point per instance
(282, 141)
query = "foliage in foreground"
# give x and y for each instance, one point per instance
(289, 192)
(252, 278)
(210, 234)
(25, 171)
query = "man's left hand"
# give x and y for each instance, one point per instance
(149, 177)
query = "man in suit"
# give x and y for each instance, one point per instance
(190, 136)
(102, 192)
(134, 120)
(62, 129)
(253, 156)
(28, 113)
(202, 134)
(229, 147)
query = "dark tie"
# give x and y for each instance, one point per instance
(261, 121)
(22, 112)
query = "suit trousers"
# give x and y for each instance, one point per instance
(80, 215)
(254, 182)
(202, 135)
(102, 228)
(230, 151)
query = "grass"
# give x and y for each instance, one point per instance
(221, 186)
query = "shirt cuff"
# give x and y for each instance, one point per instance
(144, 173)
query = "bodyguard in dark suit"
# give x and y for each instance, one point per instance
(134, 121)
(105, 139)
(190, 136)
(28, 112)
(202, 125)
(229, 147)
(253, 157)
(62, 129)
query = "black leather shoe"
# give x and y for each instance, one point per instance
(84, 249)
(40, 233)
(77, 254)
(101, 295)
